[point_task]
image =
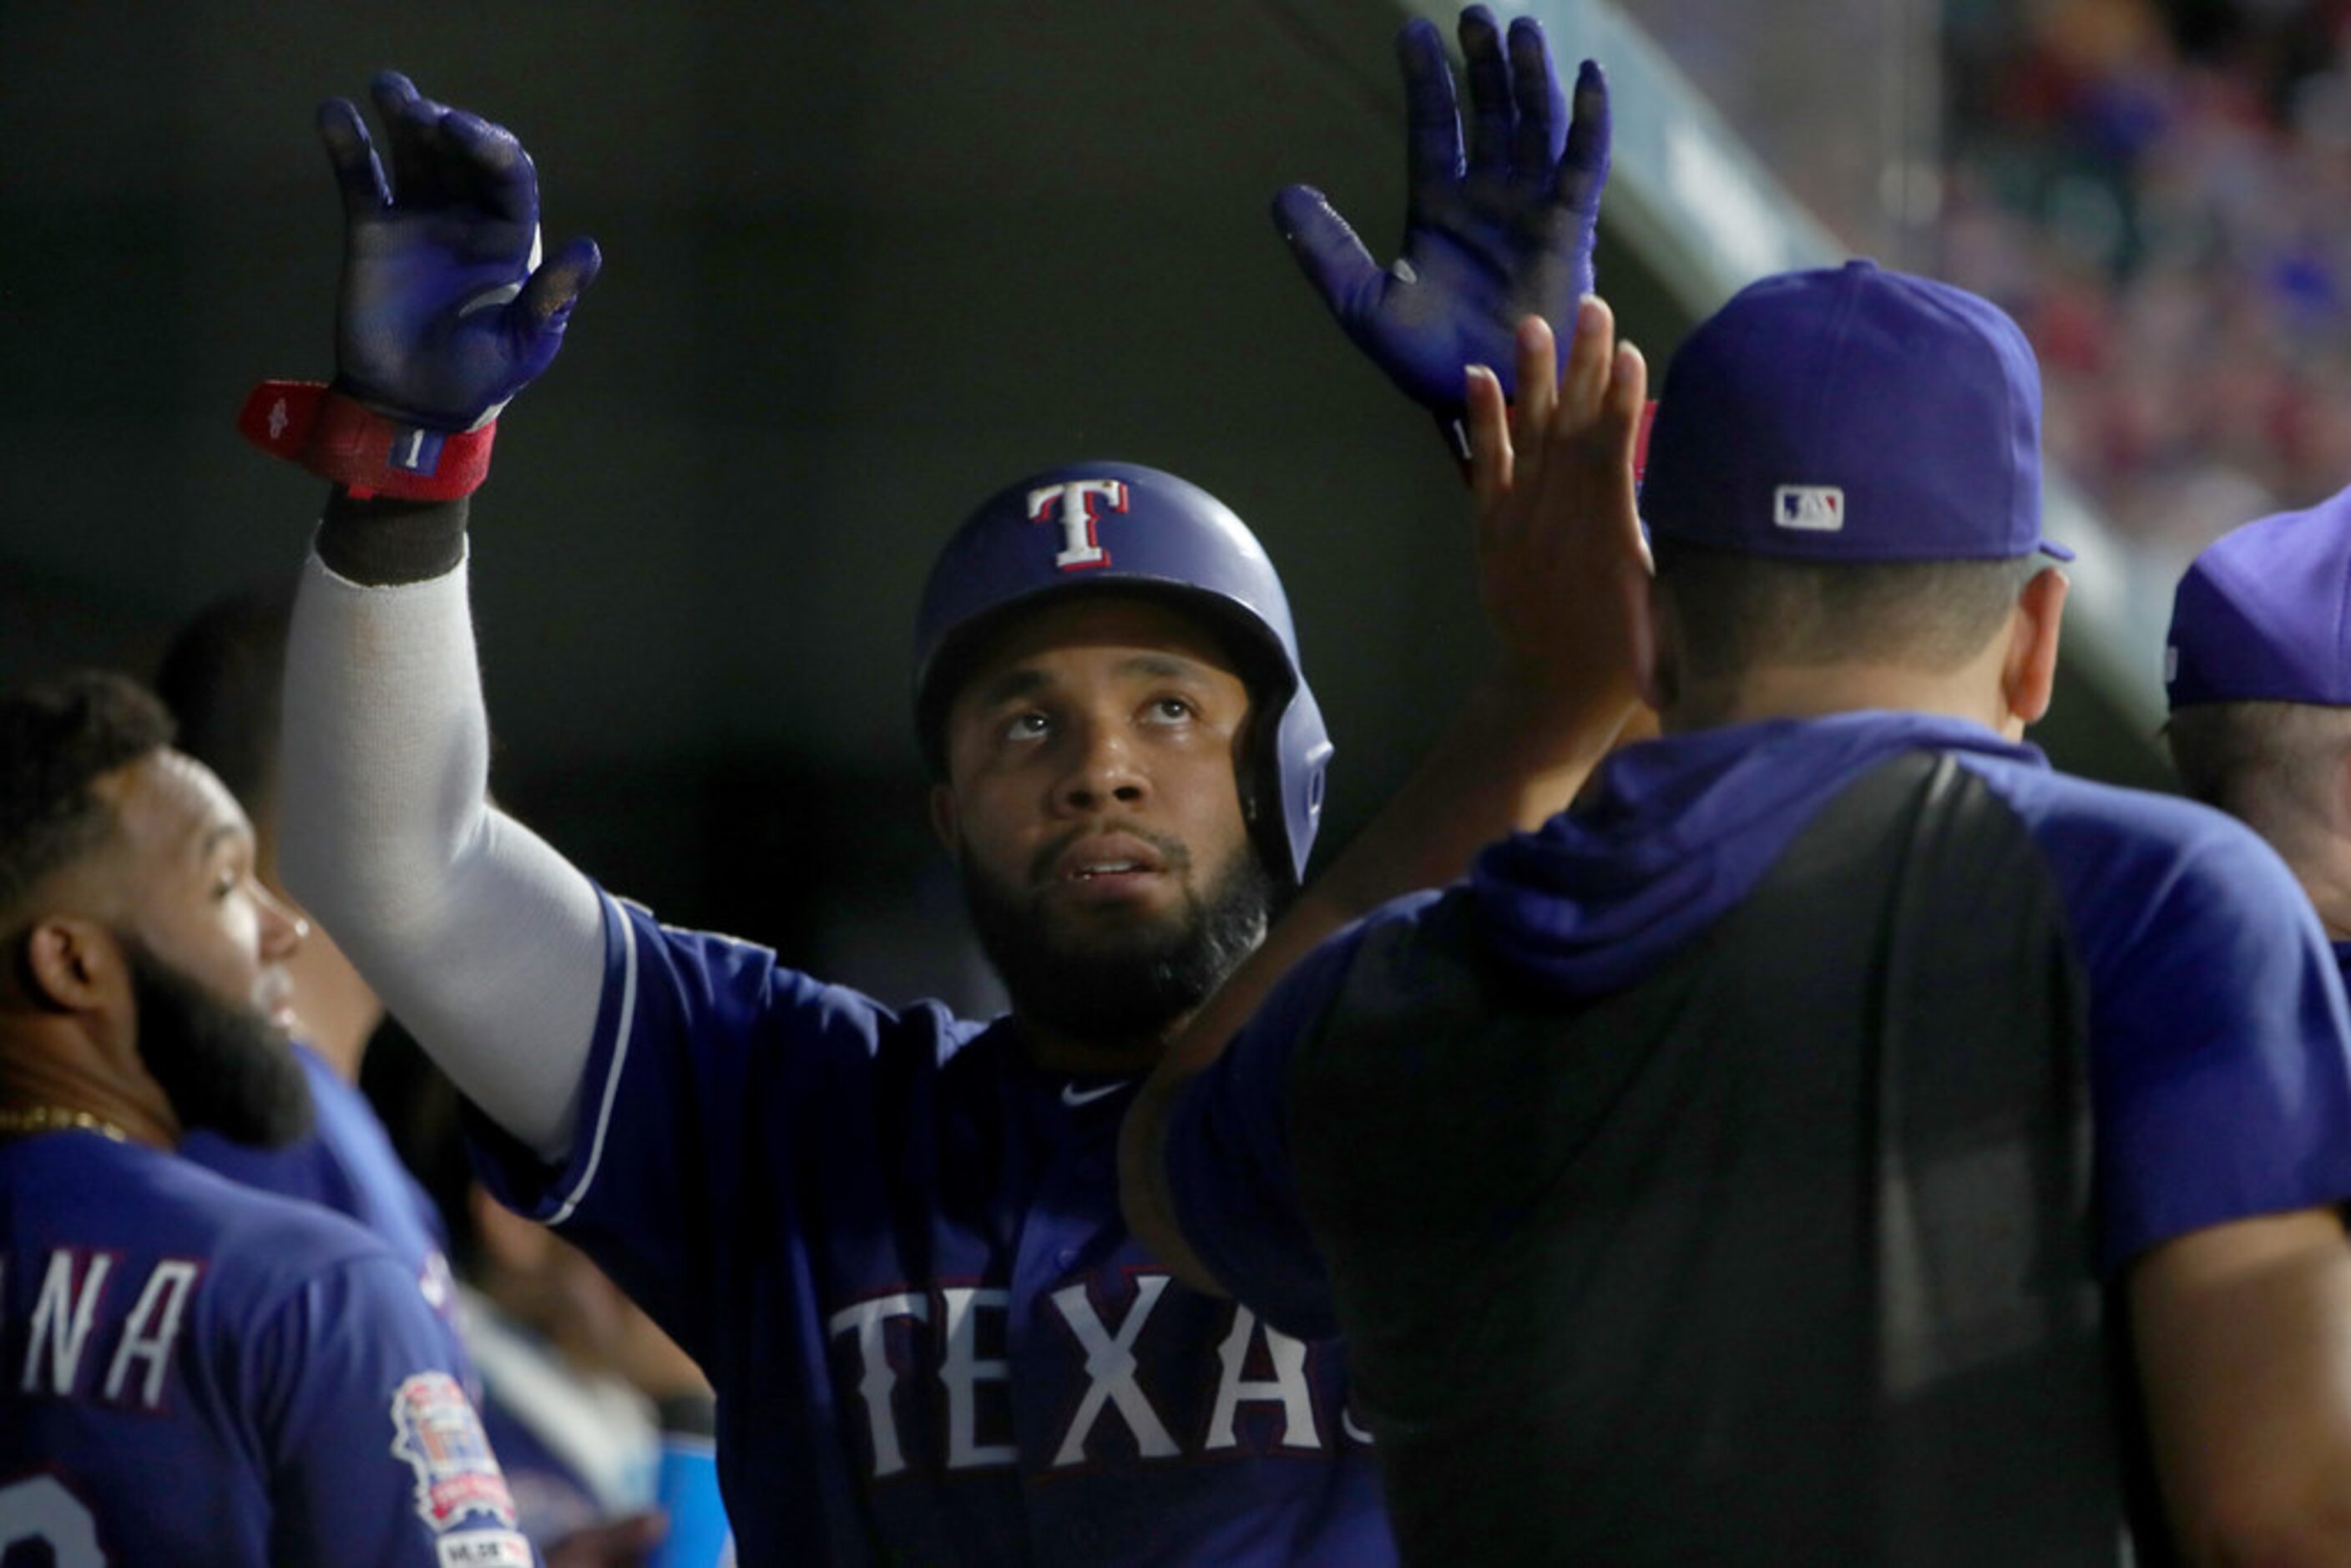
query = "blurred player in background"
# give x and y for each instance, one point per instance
(2258, 673)
(1711, 1178)
(891, 1236)
(190, 1371)
(220, 677)
(595, 1413)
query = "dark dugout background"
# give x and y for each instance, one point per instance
(863, 265)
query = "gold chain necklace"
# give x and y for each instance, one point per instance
(56, 1119)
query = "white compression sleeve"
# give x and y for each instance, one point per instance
(485, 943)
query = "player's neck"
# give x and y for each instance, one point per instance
(1819, 691)
(1050, 1049)
(51, 1065)
(2326, 876)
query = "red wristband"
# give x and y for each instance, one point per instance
(369, 455)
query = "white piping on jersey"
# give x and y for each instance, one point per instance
(612, 1076)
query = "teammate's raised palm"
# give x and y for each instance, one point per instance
(1490, 238)
(446, 310)
(1560, 548)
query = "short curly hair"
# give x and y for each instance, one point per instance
(57, 738)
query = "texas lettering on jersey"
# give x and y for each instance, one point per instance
(929, 1371)
(896, 1246)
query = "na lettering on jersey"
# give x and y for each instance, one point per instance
(1076, 507)
(69, 1354)
(436, 1431)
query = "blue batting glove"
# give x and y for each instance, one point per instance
(446, 309)
(1488, 240)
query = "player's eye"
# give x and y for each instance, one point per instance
(1170, 709)
(1030, 724)
(226, 882)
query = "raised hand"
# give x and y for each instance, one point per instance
(1558, 544)
(446, 309)
(1505, 233)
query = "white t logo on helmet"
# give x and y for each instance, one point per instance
(1076, 504)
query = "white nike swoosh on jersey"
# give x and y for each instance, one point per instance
(1073, 1096)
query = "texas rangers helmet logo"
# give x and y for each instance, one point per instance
(435, 1429)
(1077, 506)
(1813, 508)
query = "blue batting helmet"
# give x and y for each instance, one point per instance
(1120, 528)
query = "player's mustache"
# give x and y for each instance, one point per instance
(1170, 850)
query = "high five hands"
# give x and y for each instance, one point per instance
(1561, 563)
(446, 309)
(1491, 237)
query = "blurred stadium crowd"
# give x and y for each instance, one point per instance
(2159, 194)
(2156, 189)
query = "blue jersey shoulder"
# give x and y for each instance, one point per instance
(74, 1189)
(215, 1374)
(347, 1164)
(2219, 1046)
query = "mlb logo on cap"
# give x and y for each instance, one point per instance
(1820, 507)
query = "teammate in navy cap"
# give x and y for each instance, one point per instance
(892, 1236)
(191, 1371)
(2257, 672)
(1801, 1152)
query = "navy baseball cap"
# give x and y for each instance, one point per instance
(1851, 414)
(2264, 613)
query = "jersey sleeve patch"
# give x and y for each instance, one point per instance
(437, 1432)
(485, 1548)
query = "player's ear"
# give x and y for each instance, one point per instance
(66, 964)
(2028, 674)
(945, 821)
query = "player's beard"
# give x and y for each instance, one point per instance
(222, 1065)
(1118, 987)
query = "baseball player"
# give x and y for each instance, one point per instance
(191, 1371)
(220, 677)
(2259, 678)
(891, 1236)
(1801, 1154)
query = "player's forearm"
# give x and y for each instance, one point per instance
(1515, 755)
(482, 940)
(2243, 1335)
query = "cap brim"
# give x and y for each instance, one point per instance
(2056, 551)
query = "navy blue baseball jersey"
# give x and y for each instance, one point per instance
(194, 1372)
(1763, 1133)
(897, 1251)
(349, 1165)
